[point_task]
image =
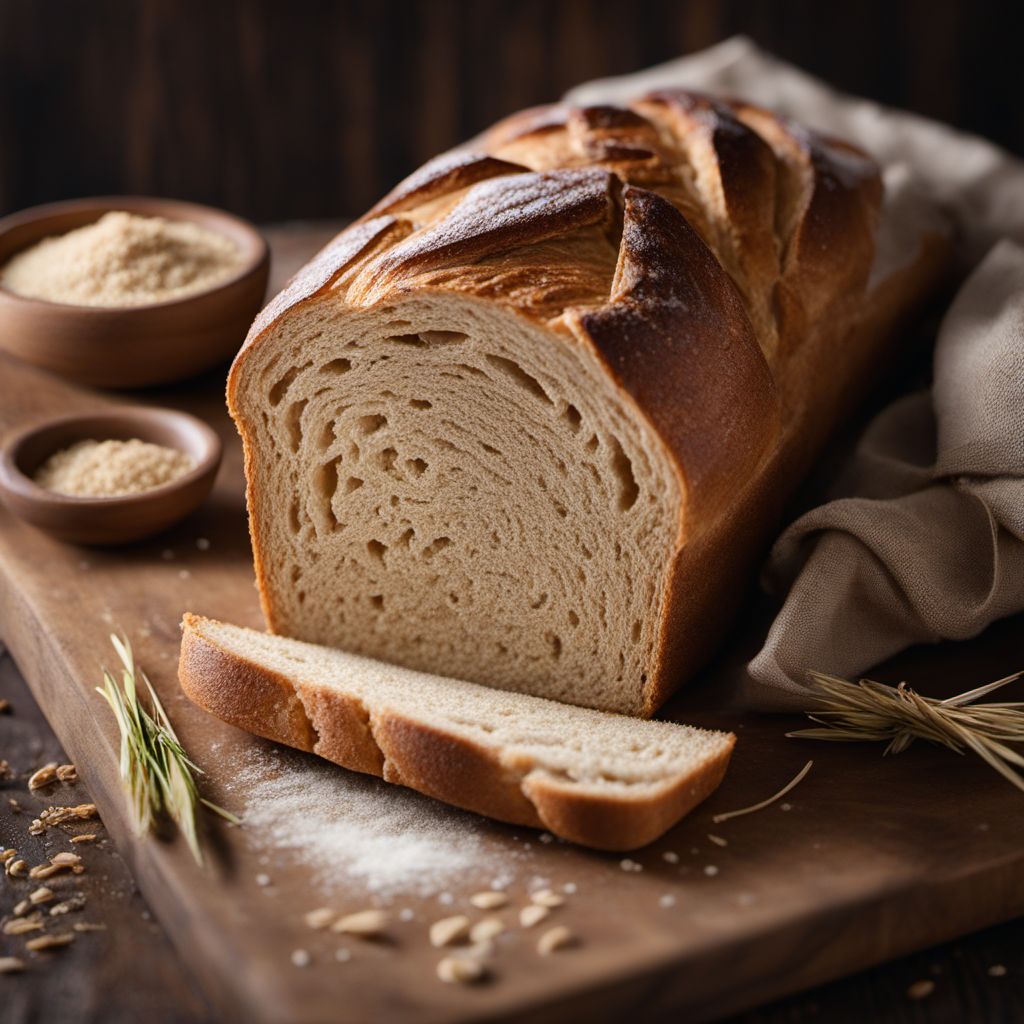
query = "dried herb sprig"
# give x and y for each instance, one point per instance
(155, 770)
(867, 711)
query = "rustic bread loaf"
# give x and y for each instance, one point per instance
(599, 779)
(531, 420)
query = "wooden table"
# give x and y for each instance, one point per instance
(130, 971)
(117, 974)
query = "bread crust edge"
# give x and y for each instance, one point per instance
(427, 759)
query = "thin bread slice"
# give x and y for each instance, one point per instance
(598, 779)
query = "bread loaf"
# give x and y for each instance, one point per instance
(602, 780)
(531, 421)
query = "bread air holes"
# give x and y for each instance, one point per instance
(572, 416)
(293, 423)
(420, 403)
(337, 366)
(377, 601)
(515, 373)
(426, 339)
(325, 483)
(437, 545)
(371, 423)
(554, 642)
(623, 469)
(277, 391)
(376, 550)
(416, 467)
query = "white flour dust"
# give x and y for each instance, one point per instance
(347, 827)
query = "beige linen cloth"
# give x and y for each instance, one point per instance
(924, 537)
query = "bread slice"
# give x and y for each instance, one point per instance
(598, 779)
(532, 420)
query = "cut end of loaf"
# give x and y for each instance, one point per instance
(598, 779)
(434, 482)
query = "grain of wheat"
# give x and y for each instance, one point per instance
(45, 776)
(21, 925)
(554, 939)
(489, 899)
(11, 964)
(547, 898)
(449, 930)
(366, 924)
(460, 970)
(486, 929)
(41, 895)
(319, 918)
(533, 914)
(50, 941)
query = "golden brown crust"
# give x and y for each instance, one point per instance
(714, 254)
(676, 336)
(245, 694)
(423, 757)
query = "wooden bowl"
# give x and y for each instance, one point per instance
(131, 346)
(108, 521)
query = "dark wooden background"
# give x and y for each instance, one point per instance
(312, 108)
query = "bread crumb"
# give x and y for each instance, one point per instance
(668, 900)
(343, 955)
(263, 880)
(406, 914)
(718, 840)
(711, 871)
(997, 971)
(301, 958)
(569, 888)
(202, 544)
(627, 864)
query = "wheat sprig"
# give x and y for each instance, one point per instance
(867, 711)
(157, 774)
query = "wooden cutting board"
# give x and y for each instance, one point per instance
(867, 859)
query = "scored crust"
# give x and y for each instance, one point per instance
(403, 749)
(695, 267)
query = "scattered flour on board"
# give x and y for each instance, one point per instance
(348, 827)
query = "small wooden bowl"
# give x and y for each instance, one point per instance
(108, 521)
(131, 346)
